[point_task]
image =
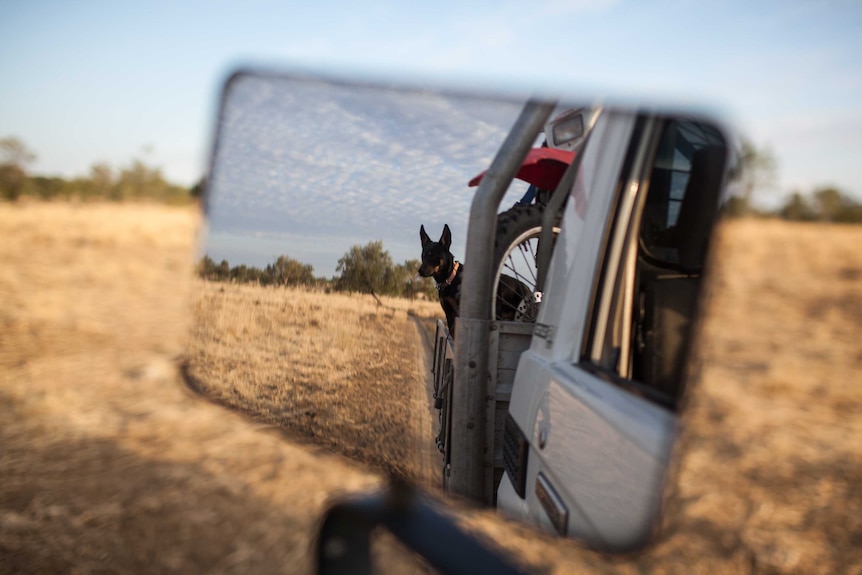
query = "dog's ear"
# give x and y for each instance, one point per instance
(446, 238)
(423, 236)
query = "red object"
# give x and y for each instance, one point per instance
(543, 167)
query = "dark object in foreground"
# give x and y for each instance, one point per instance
(343, 544)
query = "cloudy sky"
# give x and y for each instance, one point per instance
(108, 81)
(309, 168)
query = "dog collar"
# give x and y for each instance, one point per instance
(449, 281)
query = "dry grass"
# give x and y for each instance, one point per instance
(774, 471)
(340, 370)
(108, 464)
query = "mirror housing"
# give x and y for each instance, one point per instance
(576, 378)
(344, 541)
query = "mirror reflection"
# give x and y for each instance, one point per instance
(336, 267)
(312, 316)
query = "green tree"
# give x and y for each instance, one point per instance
(101, 181)
(139, 180)
(47, 188)
(830, 205)
(223, 271)
(239, 274)
(825, 204)
(14, 157)
(286, 271)
(797, 208)
(755, 170)
(206, 268)
(366, 269)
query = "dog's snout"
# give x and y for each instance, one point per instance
(425, 270)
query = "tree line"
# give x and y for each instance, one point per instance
(826, 204)
(136, 181)
(757, 170)
(364, 269)
(822, 205)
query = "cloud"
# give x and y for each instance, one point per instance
(315, 160)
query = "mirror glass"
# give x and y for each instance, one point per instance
(312, 316)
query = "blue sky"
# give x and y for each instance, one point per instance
(107, 81)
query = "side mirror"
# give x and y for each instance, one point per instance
(560, 407)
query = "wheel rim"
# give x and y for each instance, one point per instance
(520, 263)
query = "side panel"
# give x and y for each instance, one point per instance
(602, 449)
(596, 453)
(442, 370)
(507, 342)
(605, 452)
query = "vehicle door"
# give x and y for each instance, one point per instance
(596, 401)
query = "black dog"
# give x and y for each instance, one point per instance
(515, 300)
(439, 263)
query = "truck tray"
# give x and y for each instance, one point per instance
(506, 343)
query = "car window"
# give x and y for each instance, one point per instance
(668, 184)
(650, 278)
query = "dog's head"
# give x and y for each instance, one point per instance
(435, 255)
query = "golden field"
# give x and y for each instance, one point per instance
(110, 464)
(342, 371)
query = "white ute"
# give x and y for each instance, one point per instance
(572, 426)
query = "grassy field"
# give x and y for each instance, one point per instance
(342, 371)
(109, 464)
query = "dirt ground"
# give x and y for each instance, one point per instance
(109, 464)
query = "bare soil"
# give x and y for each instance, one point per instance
(109, 464)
